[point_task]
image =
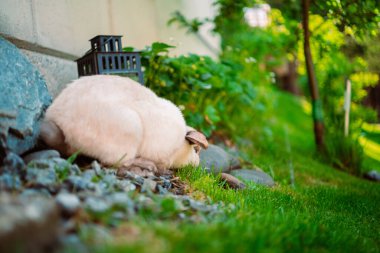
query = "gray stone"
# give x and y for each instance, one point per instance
(126, 174)
(149, 185)
(23, 99)
(32, 193)
(97, 168)
(42, 178)
(161, 190)
(373, 175)
(125, 185)
(120, 200)
(69, 203)
(12, 163)
(97, 205)
(10, 182)
(43, 154)
(255, 176)
(77, 183)
(110, 180)
(89, 175)
(214, 159)
(165, 183)
(107, 183)
(57, 164)
(75, 170)
(28, 225)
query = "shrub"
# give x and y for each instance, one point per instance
(207, 92)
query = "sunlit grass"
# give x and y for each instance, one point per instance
(370, 140)
(306, 106)
(371, 148)
(371, 128)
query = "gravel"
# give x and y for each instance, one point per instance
(92, 200)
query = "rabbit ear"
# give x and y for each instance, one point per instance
(195, 137)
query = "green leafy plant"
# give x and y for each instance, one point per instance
(207, 92)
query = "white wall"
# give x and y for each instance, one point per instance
(67, 25)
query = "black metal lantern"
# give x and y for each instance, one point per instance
(106, 56)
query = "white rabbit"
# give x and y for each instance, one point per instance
(119, 121)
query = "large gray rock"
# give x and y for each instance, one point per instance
(255, 176)
(214, 159)
(23, 100)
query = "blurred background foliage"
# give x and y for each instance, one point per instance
(233, 99)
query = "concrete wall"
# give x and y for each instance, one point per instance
(55, 32)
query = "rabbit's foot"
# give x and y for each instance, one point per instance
(139, 166)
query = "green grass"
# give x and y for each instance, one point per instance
(325, 210)
(371, 143)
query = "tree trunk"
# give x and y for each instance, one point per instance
(313, 86)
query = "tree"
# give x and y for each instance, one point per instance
(355, 18)
(312, 80)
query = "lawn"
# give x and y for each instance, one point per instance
(312, 208)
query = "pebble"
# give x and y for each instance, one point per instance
(166, 183)
(119, 199)
(12, 164)
(125, 185)
(96, 167)
(149, 185)
(89, 175)
(75, 170)
(69, 203)
(53, 163)
(41, 178)
(161, 190)
(77, 183)
(44, 154)
(97, 206)
(110, 180)
(10, 182)
(31, 193)
(106, 195)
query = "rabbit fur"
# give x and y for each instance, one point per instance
(115, 119)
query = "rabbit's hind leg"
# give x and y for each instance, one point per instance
(140, 166)
(53, 136)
